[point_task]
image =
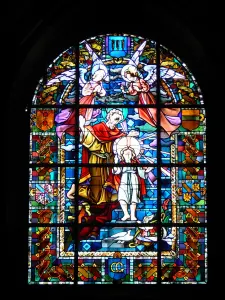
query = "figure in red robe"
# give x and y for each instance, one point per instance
(66, 118)
(97, 190)
(170, 118)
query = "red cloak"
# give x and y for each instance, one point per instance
(104, 134)
(100, 213)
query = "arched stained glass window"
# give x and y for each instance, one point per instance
(117, 167)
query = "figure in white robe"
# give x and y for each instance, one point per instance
(132, 186)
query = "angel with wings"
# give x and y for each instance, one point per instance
(170, 118)
(91, 88)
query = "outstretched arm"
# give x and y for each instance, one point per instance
(87, 139)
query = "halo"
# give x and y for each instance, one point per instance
(128, 141)
(130, 67)
(125, 69)
(97, 63)
(100, 66)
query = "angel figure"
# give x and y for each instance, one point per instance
(170, 118)
(131, 184)
(91, 88)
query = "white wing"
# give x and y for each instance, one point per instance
(124, 238)
(97, 63)
(121, 234)
(151, 76)
(92, 53)
(135, 58)
(82, 80)
(165, 73)
(168, 73)
(68, 75)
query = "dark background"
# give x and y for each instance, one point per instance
(37, 31)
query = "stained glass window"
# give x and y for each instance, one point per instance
(117, 167)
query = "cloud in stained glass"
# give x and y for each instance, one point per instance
(122, 186)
